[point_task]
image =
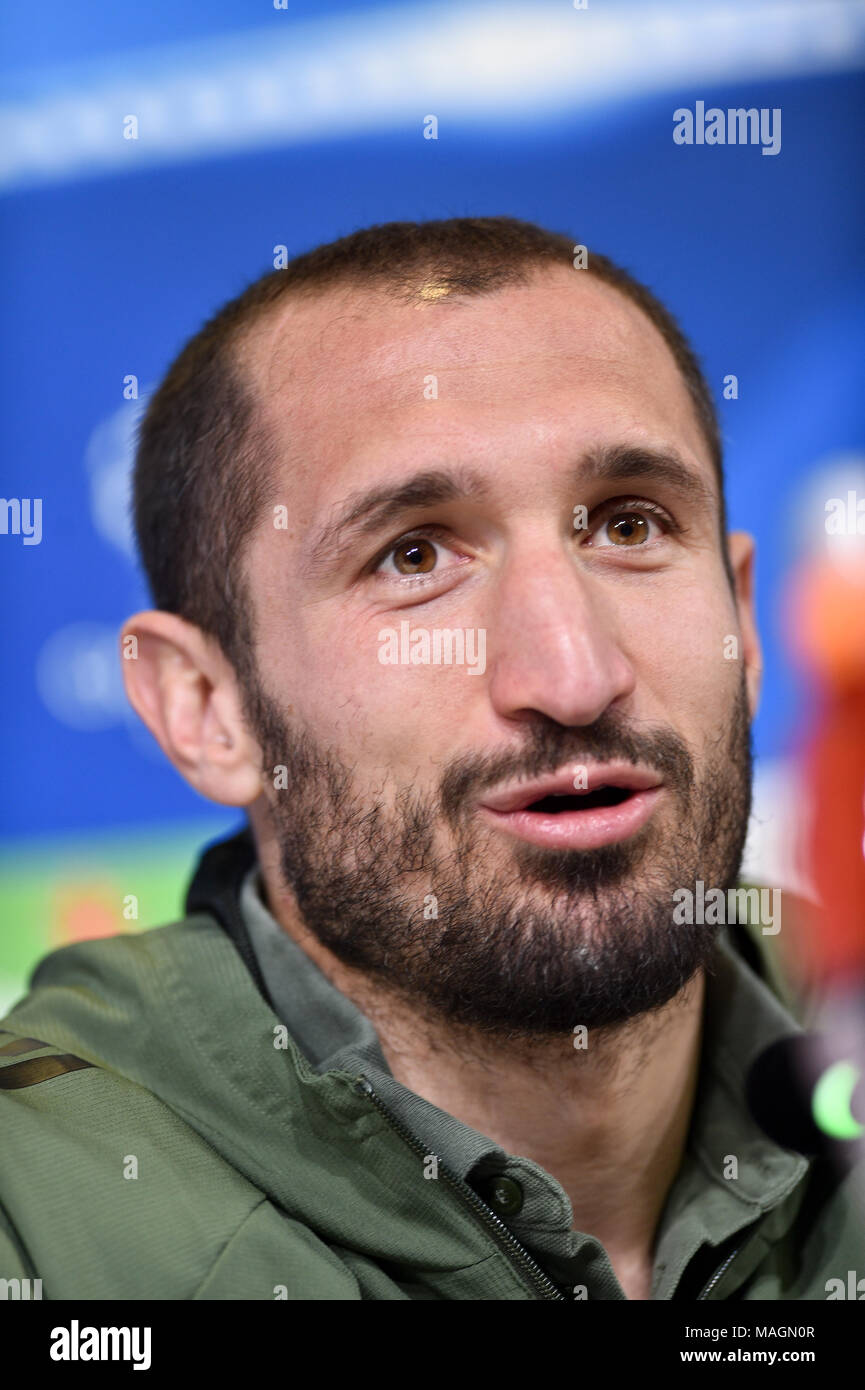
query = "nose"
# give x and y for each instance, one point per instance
(555, 645)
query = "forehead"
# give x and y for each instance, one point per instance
(346, 374)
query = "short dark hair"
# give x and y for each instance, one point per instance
(204, 460)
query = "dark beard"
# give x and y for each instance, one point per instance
(532, 941)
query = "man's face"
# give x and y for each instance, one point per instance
(563, 516)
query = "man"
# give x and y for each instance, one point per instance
(434, 524)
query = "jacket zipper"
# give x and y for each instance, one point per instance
(520, 1256)
(717, 1275)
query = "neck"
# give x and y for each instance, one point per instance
(609, 1120)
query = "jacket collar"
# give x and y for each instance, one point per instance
(215, 889)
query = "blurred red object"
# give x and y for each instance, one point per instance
(826, 619)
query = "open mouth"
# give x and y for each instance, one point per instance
(553, 814)
(581, 801)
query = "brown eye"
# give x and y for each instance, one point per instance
(414, 556)
(628, 528)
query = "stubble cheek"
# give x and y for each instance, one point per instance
(692, 659)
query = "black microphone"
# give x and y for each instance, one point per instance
(807, 1095)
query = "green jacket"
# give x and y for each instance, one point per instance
(166, 1132)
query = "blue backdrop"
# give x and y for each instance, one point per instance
(259, 127)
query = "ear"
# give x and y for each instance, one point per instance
(180, 684)
(740, 547)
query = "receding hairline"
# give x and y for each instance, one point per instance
(426, 290)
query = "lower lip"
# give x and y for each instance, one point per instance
(578, 829)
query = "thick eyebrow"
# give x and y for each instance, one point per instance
(616, 462)
(363, 513)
